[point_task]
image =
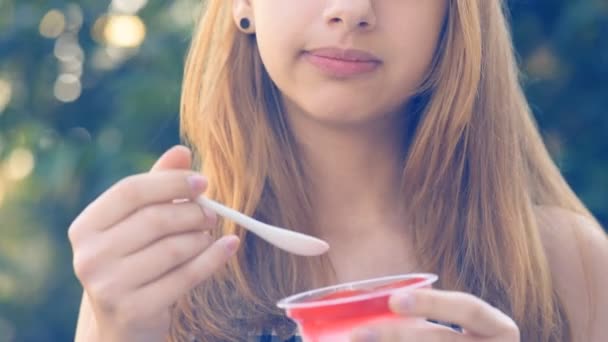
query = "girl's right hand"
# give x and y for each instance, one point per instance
(137, 251)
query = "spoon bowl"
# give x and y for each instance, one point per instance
(287, 240)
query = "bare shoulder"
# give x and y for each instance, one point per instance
(577, 251)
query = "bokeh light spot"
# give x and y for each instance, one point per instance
(128, 6)
(67, 48)
(6, 93)
(52, 24)
(20, 164)
(67, 88)
(125, 31)
(2, 192)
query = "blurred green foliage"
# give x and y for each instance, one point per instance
(78, 112)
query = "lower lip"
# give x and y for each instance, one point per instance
(341, 68)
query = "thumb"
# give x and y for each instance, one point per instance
(177, 157)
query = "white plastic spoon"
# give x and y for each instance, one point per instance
(287, 240)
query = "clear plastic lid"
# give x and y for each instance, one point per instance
(357, 291)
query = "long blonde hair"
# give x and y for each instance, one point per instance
(476, 168)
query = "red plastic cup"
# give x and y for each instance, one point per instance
(330, 314)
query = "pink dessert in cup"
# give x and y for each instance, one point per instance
(330, 314)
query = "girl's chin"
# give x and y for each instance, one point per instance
(343, 118)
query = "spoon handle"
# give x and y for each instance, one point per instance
(240, 218)
(288, 240)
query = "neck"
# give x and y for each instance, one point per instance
(356, 172)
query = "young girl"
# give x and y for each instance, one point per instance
(396, 130)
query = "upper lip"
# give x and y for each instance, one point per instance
(351, 55)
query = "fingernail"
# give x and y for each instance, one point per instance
(365, 335)
(197, 183)
(404, 302)
(231, 244)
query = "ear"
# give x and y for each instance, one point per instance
(242, 13)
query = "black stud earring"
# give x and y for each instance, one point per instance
(245, 23)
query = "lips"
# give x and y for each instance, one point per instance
(349, 55)
(343, 63)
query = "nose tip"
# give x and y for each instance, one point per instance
(362, 24)
(352, 14)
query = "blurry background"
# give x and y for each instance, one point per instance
(89, 93)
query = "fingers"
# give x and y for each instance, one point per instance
(134, 193)
(153, 223)
(406, 330)
(165, 291)
(474, 315)
(177, 157)
(161, 257)
(142, 244)
(110, 279)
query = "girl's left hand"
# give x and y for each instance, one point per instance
(479, 320)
